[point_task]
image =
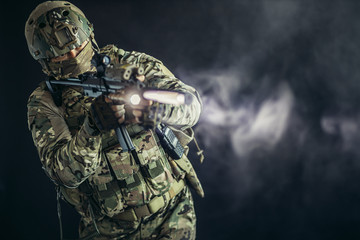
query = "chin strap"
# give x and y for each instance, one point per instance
(94, 43)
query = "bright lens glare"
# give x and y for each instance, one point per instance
(135, 99)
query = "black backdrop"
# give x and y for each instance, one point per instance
(280, 126)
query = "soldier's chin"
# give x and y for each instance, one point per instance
(61, 74)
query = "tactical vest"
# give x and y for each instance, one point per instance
(120, 183)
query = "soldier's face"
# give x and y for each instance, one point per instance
(71, 54)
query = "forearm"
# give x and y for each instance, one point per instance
(67, 159)
(183, 116)
(70, 161)
(158, 76)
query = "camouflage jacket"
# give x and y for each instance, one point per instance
(71, 148)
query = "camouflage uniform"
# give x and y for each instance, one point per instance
(128, 200)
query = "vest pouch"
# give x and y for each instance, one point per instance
(132, 181)
(158, 176)
(122, 163)
(156, 168)
(110, 199)
(106, 191)
(128, 178)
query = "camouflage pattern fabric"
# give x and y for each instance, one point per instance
(158, 76)
(176, 221)
(72, 151)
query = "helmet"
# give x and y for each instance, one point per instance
(53, 29)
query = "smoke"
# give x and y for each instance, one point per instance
(275, 110)
(263, 129)
(248, 124)
(280, 127)
(345, 128)
(249, 110)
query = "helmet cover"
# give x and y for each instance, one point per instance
(54, 28)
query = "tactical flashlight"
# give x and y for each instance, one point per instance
(135, 99)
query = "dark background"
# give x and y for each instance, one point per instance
(279, 81)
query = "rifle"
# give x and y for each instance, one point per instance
(111, 78)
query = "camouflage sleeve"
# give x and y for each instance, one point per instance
(68, 160)
(158, 76)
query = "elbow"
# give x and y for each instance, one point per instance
(71, 171)
(196, 110)
(192, 113)
(70, 180)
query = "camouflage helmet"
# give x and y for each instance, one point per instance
(56, 27)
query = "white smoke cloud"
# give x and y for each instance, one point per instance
(248, 124)
(347, 128)
(280, 15)
(265, 127)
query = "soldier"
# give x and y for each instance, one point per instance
(117, 194)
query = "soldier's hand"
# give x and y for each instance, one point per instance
(108, 112)
(133, 113)
(147, 113)
(119, 112)
(129, 113)
(139, 111)
(102, 114)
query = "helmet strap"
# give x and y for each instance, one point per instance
(94, 43)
